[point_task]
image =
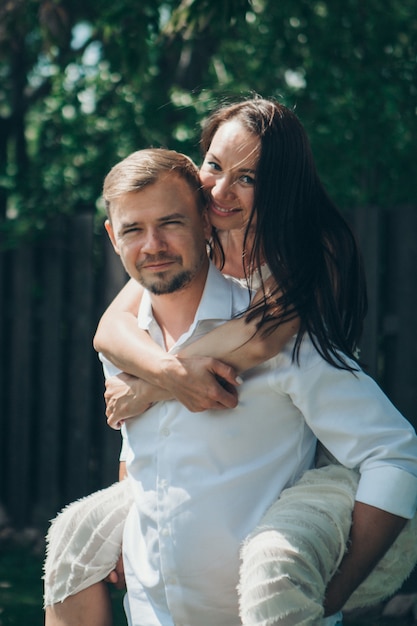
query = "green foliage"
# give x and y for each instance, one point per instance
(85, 83)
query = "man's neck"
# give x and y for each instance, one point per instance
(175, 312)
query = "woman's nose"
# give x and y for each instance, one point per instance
(222, 188)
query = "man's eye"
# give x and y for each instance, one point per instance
(173, 223)
(134, 229)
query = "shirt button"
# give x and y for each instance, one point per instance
(165, 431)
(165, 532)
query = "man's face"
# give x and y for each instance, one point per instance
(160, 235)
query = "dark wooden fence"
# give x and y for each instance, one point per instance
(55, 445)
(54, 442)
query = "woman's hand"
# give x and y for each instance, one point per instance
(127, 396)
(201, 383)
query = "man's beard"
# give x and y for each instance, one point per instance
(160, 284)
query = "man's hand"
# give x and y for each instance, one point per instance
(201, 383)
(373, 532)
(117, 576)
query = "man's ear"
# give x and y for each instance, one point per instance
(108, 226)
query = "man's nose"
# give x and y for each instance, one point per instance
(153, 241)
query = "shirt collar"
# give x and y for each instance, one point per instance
(216, 302)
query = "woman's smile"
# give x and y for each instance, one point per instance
(228, 173)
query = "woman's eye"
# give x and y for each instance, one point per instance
(247, 180)
(213, 165)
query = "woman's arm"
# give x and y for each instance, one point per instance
(120, 340)
(203, 375)
(192, 381)
(238, 343)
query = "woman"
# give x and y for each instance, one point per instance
(273, 221)
(306, 245)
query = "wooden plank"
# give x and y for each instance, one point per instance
(3, 370)
(116, 277)
(20, 416)
(367, 225)
(52, 390)
(78, 414)
(401, 328)
(114, 271)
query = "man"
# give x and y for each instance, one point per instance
(201, 482)
(160, 233)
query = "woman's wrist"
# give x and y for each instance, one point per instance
(170, 371)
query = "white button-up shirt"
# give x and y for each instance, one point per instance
(202, 481)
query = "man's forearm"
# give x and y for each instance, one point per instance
(373, 532)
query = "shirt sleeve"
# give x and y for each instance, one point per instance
(357, 423)
(125, 445)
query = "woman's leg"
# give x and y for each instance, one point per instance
(83, 547)
(291, 555)
(90, 607)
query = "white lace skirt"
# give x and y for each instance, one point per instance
(286, 562)
(84, 542)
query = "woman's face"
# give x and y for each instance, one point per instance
(228, 174)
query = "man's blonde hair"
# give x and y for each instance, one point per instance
(146, 167)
